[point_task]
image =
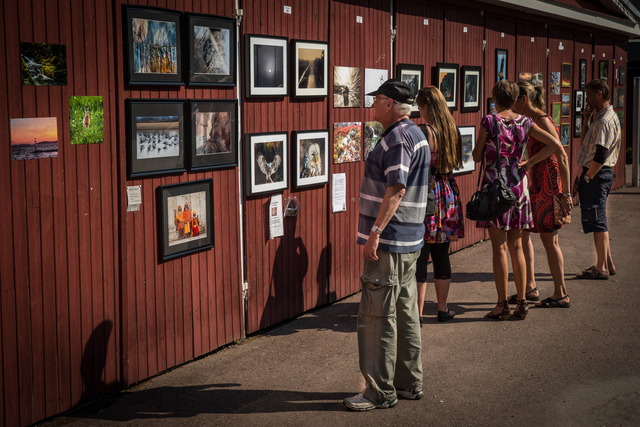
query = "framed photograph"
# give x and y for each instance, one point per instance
(413, 75)
(565, 134)
(155, 137)
(152, 44)
(556, 111)
(566, 74)
(266, 65)
(43, 64)
(579, 100)
(447, 82)
(623, 76)
(185, 218)
(373, 78)
(537, 79)
(555, 83)
(347, 138)
(86, 120)
(491, 106)
(583, 72)
(312, 157)
(372, 133)
(310, 68)
(470, 99)
(347, 87)
(468, 134)
(211, 50)
(214, 137)
(603, 70)
(577, 125)
(34, 138)
(501, 64)
(566, 105)
(618, 97)
(620, 117)
(267, 163)
(525, 76)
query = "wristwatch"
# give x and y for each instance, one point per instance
(376, 230)
(567, 195)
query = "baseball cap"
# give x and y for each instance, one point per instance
(396, 90)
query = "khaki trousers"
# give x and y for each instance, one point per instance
(389, 341)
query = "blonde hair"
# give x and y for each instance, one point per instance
(535, 94)
(445, 128)
(505, 93)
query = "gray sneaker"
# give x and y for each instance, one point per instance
(413, 394)
(361, 403)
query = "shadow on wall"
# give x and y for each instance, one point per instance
(94, 360)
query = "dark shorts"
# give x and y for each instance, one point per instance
(593, 199)
(439, 256)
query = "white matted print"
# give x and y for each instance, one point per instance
(266, 65)
(312, 155)
(468, 140)
(267, 162)
(311, 68)
(373, 78)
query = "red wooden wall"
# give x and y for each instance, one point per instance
(85, 307)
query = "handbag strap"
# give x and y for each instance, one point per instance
(495, 135)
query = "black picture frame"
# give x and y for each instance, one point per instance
(177, 235)
(413, 75)
(143, 54)
(311, 151)
(583, 72)
(310, 64)
(502, 64)
(214, 134)
(266, 62)
(211, 48)
(155, 137)
(265, 173)
(446, 78)
(577, 125)
(603, 70)
(578, 100)
(470, 81)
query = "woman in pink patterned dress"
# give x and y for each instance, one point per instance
(511, 131)
(447, 223)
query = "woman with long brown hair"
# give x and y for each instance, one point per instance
(447, 223)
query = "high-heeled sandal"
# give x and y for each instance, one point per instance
(521, 310)
(503, 315)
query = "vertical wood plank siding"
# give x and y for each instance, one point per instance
(85, 306)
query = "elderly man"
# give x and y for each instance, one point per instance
(393, 200)
(598, 154)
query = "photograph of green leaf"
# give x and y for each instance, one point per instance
(86, 117)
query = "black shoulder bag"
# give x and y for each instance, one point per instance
(494, 198)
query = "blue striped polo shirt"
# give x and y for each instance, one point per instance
(401, 156)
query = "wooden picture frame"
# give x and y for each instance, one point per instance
(310, 73)
(471, 80)
(179, 233)
(211, 48)
(502, 64)
(556, 112)
(152, 45)
(566, 105)
(266, 65)
(446, 78)
(566, 75)
(214, 134)
(312, 157)
(267, 162)
(155, 137)
(413, 75)
(468, 141)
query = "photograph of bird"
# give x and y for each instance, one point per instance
(268, 168)
(311, 161)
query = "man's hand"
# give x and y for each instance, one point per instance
(371, 247)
